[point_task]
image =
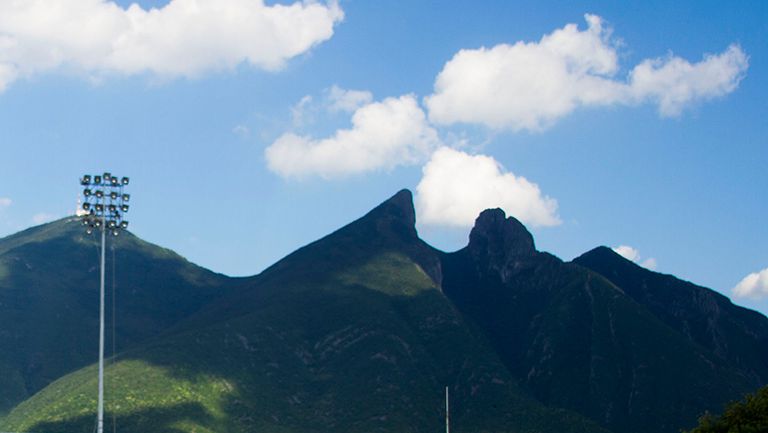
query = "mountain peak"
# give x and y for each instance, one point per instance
(396, 214)
(501, 235)
(401, 204)
(602, 254)
(500, 242)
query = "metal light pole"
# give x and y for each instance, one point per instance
(447, 413)
(104, 204)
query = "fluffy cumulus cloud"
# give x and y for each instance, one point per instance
(457, 186)
(627, 252)
(183, 38)
(754, 286)
(530, 85)
(674, 83)
(633, 254)
(383, 135)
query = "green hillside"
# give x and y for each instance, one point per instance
(49, 298)
(361, 331)
(347, 334)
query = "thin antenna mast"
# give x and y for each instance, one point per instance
(447, 413)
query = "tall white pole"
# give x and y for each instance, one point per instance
(447, 413)
(100, 422)
(104, 203)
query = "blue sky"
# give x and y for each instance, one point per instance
(641, 124)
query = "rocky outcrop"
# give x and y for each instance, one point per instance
(500, 245)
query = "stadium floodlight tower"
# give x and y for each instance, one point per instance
(104, 206)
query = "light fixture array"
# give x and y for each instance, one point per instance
(105, 203)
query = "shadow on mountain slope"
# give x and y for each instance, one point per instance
(49, 301)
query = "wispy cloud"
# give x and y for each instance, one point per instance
(530, 85)
(302, 112)
(242, 131)
(347, 100)
(43, 217)
(456, 187)
(183, 38)
(5, 202)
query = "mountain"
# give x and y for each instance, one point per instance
(49, 298)
(578, 340)
(362, 330)
(706, 318)
(350, 333)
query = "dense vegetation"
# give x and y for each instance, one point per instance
(747, 416)
(359, 332)
(347, 334)
(49, 301)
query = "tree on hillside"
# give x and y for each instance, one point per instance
(748, 416)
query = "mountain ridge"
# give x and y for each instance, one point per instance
(340, 316)
(361, 329)
(663, 294)
(577, 340)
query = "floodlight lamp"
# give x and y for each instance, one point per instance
(97, 180)
(125, 180)
(124, 225)
(99, 208)
(115, 232)
(107, 176)
(111, 224)
(112, 208)
(89, 230)
(97, 223)
(86, 180)
(86, 206)
(87, 192)
(126, 197)
(124, 208)
(113, 195)
(114, 180)
(85, 221)
(99, 193)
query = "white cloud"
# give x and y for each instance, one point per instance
(347, 100)
(627, 252)
(754, 285)
(457, 186)
(633, 255)
(383, 135)
(42, 218)
(5, 202)
(530, 85)
(673, 83)
(183, 38)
